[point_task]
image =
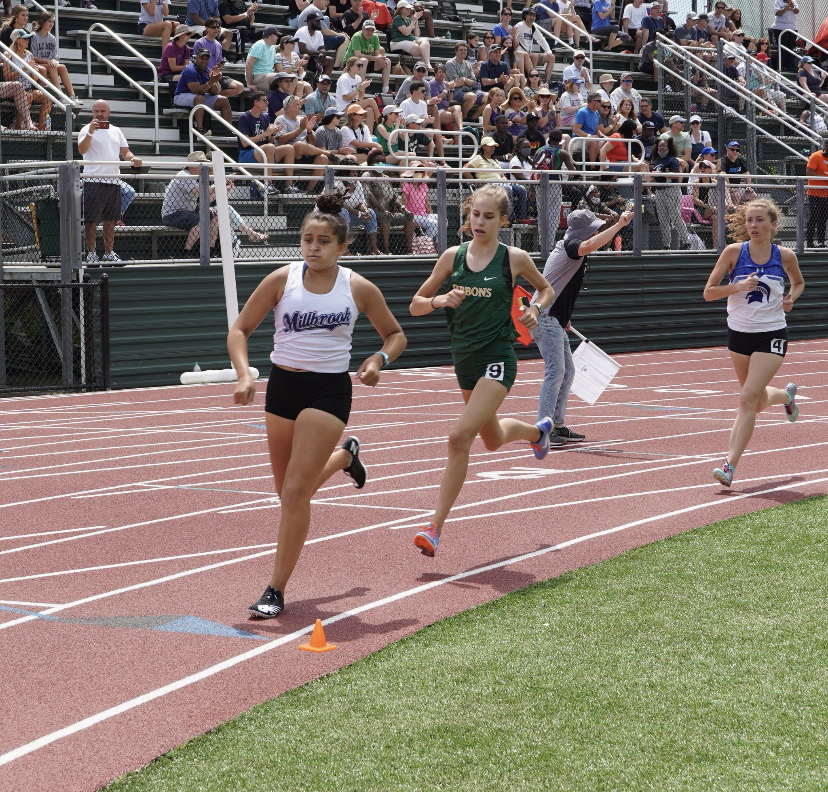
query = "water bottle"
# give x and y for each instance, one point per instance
(196, 367)
(48, 123)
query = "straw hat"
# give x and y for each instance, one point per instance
(512, 92)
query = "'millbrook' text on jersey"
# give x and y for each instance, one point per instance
(311, 320)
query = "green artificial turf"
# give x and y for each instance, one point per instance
(695, 663)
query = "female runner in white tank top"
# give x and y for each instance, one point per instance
(757, 334)
(316, 303)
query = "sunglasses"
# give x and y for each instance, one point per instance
(695, 122)
(607, 107)
(214, 27)
(733, 148)
(506, 13)
(578, 57)
(626, 81)
(418, 69)
(488, 38)
(534, 74)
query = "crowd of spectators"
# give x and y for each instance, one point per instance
(298, 114)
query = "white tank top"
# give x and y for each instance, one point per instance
(313, 331)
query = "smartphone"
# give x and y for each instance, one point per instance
(103, 124)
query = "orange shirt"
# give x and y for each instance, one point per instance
(818, 163)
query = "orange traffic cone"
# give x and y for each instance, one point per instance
(317, 642)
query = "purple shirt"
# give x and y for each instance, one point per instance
(438, 88)
(251, 126)
(216, 52)
(179, 54)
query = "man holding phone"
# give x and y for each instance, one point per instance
(227, 86)
(102, 142)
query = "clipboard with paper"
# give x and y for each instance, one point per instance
(594, 370)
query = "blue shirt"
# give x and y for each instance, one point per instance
(190, 74)
(501, 31)
(654, 25)
(491, 71)
(603, 6)
(204, 9)
(588, 119)
(251, 126)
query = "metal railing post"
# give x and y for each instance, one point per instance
(330, 174)
(442, 211)
(720, 127)
(687, 77)
(720, 212)
(660, 55)
(751, 131)
(638, 216)
(204, 214)
(544, 220)
(800, 215)
(73, 200)
(65, 187)
(812, 124)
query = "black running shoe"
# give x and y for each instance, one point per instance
(567, 435)
(356, 470)
(270, 604)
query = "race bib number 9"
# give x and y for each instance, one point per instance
(495, 371)
(777, 346)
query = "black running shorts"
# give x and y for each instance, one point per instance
(774, 342)
(290, 392)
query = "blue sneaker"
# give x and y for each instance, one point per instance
(724, 474)
(541, 447)
(427, 540)
(791, 408)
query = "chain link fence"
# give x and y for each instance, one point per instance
(30, 216)
(55, 337)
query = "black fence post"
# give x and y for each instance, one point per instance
(442, 211)
(105, 343)
(800, 216)
(65, 186)
(204, 214)
(546, 224)
(638, 217)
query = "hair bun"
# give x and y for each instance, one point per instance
(331, 202)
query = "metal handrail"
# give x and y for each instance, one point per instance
(566, 44)
(432, 132)
(746, 94)
(153, 97)
(204, 139)
(740, 90)
(55, 94)
(780, 46)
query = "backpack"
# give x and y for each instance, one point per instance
(547, 159)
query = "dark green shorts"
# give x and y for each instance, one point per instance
(496, 361)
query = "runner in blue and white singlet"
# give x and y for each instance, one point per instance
(757, 333)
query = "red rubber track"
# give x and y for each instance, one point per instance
(159, 503)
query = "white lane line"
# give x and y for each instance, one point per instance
(50, 533)
(29, 604)
(199, 676)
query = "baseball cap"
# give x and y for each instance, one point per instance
(691, 15)
(390, 108)
(20, 33)
(676, 118)
(695, 118)
(626, 75)
(282, 76)
(331, 112)
(288, 39)
(582, 224)
(197, 156)
(532, 115)
(404, 4)
(199, 51)
(315, 15)
(420, 65)
(413, 118)
(369, 23)
(323, 78)
(578, 80)
(495, 47)
(804, 58)
(355, 109)
(734, 143)
(648, 125)
(270, 30)
(605, 78)
(762, 56)
(708, 150)
(579, 53)
(739, 32)
(488, 141)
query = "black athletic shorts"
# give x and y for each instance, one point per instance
(101, 202)
(774, 342)
(290, 392)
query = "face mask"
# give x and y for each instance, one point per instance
(594, 199)
(525, 152)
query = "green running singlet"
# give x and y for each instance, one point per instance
(485, 315)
